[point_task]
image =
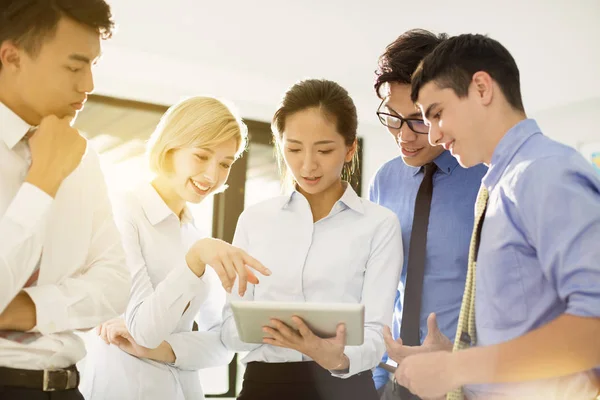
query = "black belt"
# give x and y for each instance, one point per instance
(48, 380)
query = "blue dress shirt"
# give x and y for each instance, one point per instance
(540, 251)
(455, 189)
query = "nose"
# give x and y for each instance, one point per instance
(309, 163)
(211, 173)
(404, 133)
(435, 135)
(86, 83)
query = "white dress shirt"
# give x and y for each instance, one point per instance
(354, 255)
(156, 243)
(83, 279)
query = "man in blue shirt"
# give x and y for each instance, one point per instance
(537, 291)
(396, 185)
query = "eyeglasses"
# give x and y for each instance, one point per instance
(416, 125)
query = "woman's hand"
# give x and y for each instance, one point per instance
(228, 262)
(111, 330)
(115, 332)
(328, 353)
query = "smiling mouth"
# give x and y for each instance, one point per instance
(449, 146)
(200, 186)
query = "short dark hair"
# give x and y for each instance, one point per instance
(454, 62)
(402, 57)
(333, 100)
(29, 22)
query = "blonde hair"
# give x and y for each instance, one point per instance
(198, 122)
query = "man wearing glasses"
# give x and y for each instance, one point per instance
(434, 198)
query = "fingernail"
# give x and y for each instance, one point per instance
(268, 271)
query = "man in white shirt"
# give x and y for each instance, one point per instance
(62, 266)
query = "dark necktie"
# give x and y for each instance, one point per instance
(411, 309)
(415, 269)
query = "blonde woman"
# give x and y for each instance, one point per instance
(152, 353)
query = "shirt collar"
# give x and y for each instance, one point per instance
(12, 127)
(156, 209)
(350, 199)
(445, 162)
(507, 148)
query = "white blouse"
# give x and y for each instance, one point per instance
(354, 255)
(156, 243)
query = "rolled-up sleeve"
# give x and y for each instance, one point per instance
(565, 228)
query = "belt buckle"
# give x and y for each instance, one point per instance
(59, 379)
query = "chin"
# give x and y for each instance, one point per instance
(196, 198)
(310, 189)
(411, 162)
(464, 161)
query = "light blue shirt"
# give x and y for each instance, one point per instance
(451, 218)
(540, 250)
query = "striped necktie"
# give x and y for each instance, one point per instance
(466, 335)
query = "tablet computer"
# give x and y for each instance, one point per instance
(321, 318)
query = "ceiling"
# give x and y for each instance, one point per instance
(250, 52)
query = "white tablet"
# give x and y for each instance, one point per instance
(321, 318)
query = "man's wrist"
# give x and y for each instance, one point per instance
(460, 367)
(43, 182)
(19, 315)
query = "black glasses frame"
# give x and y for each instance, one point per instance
(409, 121)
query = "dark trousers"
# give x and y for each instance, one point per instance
(16, 393)
(303, 381)
(393, 391)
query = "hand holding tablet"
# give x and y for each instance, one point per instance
(318, 330)
(321, 318)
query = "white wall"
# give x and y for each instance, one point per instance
(378, 147)
(573, 124)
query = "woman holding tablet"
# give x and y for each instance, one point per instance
(153, 353)
(323, 244)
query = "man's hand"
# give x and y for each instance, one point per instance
(56, 150)
(429, 375)
(434, 341)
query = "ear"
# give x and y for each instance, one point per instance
(10, 55)
(351, 150)
(483, 87)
